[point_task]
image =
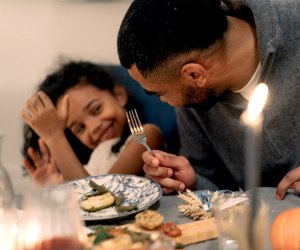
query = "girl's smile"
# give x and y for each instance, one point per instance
(107, 131)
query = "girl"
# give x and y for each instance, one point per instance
(85, 99)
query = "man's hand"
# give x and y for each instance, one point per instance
(173, 173)
(289, 181)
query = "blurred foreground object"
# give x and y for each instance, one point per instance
(52, 220)
(232, 214)
(8, 217)
(285, 230)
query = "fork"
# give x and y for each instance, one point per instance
(137, 129)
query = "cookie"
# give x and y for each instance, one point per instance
(149, 219)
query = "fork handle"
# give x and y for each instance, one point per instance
(149, 149)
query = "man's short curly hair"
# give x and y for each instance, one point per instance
(153, 31)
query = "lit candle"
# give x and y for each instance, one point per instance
(32, 234)
(8, 230)
(252, 118)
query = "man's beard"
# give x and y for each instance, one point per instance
(200, 98)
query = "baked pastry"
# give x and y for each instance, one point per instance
(149, 219)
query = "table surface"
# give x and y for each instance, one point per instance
(167, 206)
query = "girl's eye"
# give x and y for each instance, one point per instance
(78, 129)
(96, 110)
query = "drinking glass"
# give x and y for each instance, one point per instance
(51, 220)
(232, 213)
(8, 212)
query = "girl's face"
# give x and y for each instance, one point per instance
(96, 115)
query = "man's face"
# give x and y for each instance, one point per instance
(175, 90)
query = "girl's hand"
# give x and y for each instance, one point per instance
(44, 169)
(42, 116)
(173, 173)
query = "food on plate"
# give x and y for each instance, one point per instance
(119, 204)
(148, 232)
(101, 198)
(153, 220)
(97, 202)
(99, 188)
(170, 229)
(117, 238)
(109, 237)
(149, 219)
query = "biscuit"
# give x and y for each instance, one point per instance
(149, 219)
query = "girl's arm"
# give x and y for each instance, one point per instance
(130, 160)
(68, 163)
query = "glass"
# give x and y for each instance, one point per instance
(161, 242)
(8, 212)
(52, 220)
(231, 211)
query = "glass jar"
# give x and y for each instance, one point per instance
(232, 213)
(52, 220)
(8, 212)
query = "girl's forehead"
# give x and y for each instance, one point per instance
(83, 87)
(86, 90)
(79, 95)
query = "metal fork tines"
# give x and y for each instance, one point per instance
(137, 129)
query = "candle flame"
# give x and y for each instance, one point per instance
(256, 103)
(32, 235)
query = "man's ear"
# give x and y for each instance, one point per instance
(195, 73)
(120, 94)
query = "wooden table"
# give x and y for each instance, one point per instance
(167, 206)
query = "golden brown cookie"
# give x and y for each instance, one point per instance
(149, 219)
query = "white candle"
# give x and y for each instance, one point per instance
(252, 118)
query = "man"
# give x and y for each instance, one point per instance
(206, 57)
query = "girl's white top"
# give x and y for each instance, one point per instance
(102, 158)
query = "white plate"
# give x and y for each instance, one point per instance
(137, 190)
